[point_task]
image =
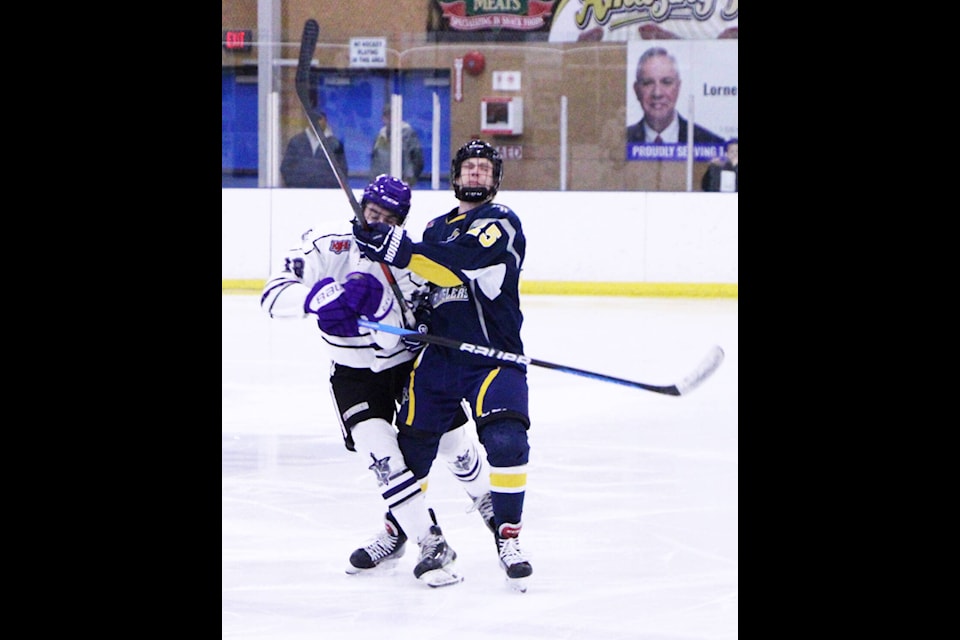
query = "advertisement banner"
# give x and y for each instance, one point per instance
(671, 84)
(606, 21)
(491, 20)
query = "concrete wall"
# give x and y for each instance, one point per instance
(631, 243)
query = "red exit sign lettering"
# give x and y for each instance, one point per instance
(238, 40)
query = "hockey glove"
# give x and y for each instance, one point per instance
(338, 306)
(383, 243)
(363, 293)
(333, 315)
(421, 313)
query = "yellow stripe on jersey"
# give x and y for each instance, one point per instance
(433, 271)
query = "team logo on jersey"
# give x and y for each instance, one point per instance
(339, 246)
(440, 295)
(381, 468)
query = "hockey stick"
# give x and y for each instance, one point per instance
(308, 43)
(693, 380)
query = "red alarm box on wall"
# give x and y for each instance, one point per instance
(501, 116)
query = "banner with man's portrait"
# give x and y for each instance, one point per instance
(677, 91)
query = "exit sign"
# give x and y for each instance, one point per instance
(238, 40)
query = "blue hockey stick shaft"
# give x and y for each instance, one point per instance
(690, 382)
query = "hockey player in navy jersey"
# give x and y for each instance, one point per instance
(472, 256)
(327, 278)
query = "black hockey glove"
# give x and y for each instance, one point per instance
(421, 313)
(383, 243)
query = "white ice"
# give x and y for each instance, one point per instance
(630, 519)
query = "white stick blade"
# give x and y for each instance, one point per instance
(709, 364)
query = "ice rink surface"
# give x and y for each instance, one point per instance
(630, 519)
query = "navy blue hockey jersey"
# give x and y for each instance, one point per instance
(473, 261)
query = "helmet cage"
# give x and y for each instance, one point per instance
(476, 149)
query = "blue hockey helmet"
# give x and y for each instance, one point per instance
(390, 193)
(476, 149)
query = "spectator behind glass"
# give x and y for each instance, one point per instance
(657, 88)
(723, 174)
(412, 154)
(305, 164)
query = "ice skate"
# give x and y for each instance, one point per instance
(383, 551)
(516, 566)
(484, 504)
(436, 560)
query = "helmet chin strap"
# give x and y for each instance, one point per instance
(472, 194)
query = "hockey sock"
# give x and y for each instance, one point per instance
(508, 488)
(376, 442)
(464, 460)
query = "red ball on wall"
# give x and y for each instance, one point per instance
(474, 62)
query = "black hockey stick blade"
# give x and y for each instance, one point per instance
(308, 44)
(694, 379)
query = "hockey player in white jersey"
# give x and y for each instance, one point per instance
(329, 279)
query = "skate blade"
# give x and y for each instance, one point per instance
(385, 567)
(440, 578)
(517, 584)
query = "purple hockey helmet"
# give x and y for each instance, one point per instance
(390, 193)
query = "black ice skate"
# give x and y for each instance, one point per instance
(436, 560)
(382, 551)
(517, 567)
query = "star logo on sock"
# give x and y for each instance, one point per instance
(381, 467)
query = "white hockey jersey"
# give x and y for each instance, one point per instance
(334, 255)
